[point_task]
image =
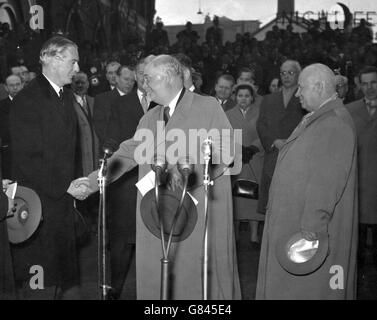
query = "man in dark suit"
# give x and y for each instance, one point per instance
(13, 85)
(126, 112)
(364, 114)
(125, 80)
(43, 128)
(223, 91)
(100, 82)
(279, 115)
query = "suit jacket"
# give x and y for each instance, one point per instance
(5, 138)
(275, 122)
(126, 112)
(192, 112)
(7, 285)
(366, 128)
(89, 143)
(102, 112)
(314, 188)
(43, 133)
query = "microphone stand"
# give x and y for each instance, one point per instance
(102, 236)
(206, 182)
(165, 262)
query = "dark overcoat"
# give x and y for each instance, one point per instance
(366, 128)
(314, 188)
(275, 122)
(43, 134)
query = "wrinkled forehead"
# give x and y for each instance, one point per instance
(152, 70)
(70, 53)
(288, 66)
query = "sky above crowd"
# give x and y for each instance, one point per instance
(178, 12)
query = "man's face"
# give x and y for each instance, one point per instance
(308, 96)
(342, 89)
(13, 86)
(140, 76)
(126, 80)
(245, 77)
(223, 89)
(156, 84)
(289, 75)
(80, 84)
(66, 65)
(111, 74)
(368, 85)
(24, 74)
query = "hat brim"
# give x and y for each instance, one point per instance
(27, 215)
(314, 263)
(148, 210)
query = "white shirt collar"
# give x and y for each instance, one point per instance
(192, 88)
(174, 102)
(55, 86)
(112, 87)
(121, 93)
(10, 97)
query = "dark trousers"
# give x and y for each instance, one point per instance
(363, 248)
(121, 258)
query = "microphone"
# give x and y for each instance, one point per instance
(108, 148)
(159, 164)
(185, 166)
(207, 149)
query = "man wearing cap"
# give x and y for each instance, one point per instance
(313, 196)
(181, 109)
(364, 114)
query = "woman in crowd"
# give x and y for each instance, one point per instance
(244, 116)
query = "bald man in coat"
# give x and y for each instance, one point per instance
(164, 85)
(313, 191)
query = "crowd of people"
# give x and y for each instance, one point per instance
(305, 104)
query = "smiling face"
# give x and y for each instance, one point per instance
(156, 84)
(223, 88)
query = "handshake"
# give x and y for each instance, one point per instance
(80, 188)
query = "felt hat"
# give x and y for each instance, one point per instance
(299, 256)
(168, 205)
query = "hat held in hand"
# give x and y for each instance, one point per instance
(300, 256)
(168, 205)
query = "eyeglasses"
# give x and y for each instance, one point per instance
(284, 73)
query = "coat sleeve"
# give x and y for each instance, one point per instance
(265, 133)
(331, 156)
(123, 160)
(27, 142)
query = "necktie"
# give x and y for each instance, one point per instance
(166, 114)
(371, 108)
(144, 102)
(61, 95)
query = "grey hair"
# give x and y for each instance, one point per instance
(54, 46)
(295, 64)
(168, 65)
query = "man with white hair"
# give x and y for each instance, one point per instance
(43, 128)
(313, 195)
(180, 110)
(13, 85)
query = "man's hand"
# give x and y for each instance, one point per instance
(310, 236)
(174, 179)
(80, 188)
(278, 143)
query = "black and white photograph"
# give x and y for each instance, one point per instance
(200, 152)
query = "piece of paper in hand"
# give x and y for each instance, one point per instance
(193, 199)
(146, 183)
(11, 190)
